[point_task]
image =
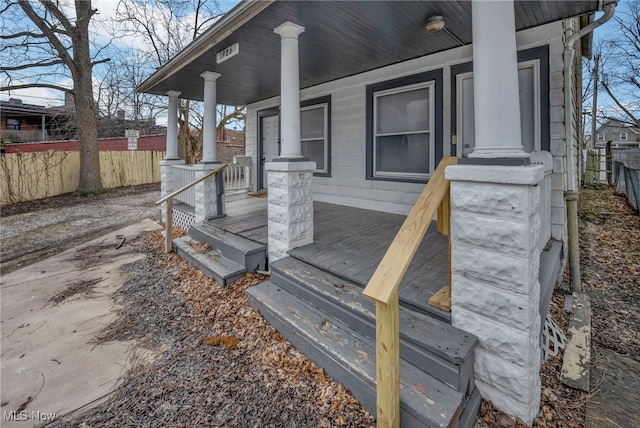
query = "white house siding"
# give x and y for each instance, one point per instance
(348, 185)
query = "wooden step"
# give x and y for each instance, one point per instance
(349, 358)
(246, 252)
(443, 351)
(323, 256)
(225, 271)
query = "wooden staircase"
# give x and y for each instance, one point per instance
(228, 256)
(328, 319)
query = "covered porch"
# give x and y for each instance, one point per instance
(349, 243)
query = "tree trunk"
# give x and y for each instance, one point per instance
(86, 112)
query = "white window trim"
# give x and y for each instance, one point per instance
(626, 136)
(325, 109)
(600, 136)
(431, 131)
(535, 64)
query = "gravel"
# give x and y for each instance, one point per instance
(35, 230)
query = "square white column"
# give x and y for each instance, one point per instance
(290, 206)
(166, 182)
(495, 258)
(208, 205)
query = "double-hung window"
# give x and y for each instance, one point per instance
(404, 127)
(314, 133)
(624, 136)
(600, 136)
(403, 137)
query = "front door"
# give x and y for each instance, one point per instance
(270, 144)
(529, 107)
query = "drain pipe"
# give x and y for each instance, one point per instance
(571, 193)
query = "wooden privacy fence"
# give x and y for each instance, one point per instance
(627, 181)
(383, 288)
(36, 175)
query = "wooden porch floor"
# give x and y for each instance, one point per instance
(349, 243)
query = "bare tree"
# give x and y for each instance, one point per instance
(620, 65)
(165, 27)
(48, 41)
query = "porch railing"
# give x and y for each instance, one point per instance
(236, 177)
(183, 175)
(169, 207)
(383, 288)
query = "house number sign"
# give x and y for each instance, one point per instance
(227, 53)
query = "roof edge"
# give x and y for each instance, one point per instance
(232, 20)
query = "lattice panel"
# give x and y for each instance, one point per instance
(183, 219)
(553, 339)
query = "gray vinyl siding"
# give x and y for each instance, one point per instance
(348, 184)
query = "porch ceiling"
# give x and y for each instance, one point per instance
(341, 39)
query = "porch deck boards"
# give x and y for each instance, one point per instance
(350, 242)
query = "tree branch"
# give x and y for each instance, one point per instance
(623, 108)
(22, 34)
(55, 11)
(100, 61)
(34, 85)
(42, 25)
(38, 64)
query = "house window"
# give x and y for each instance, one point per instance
(315, 126)
(623, 136)
(13, 124)
(600, 136)
(401, 122)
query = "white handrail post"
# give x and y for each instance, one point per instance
(169, 227)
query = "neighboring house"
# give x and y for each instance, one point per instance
(353, 105)
(620, 135)
(22, 123)
(27, 123)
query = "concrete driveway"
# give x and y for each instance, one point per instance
(50, 312)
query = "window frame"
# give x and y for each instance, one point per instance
(324, 102)
(432, 79)
(626, 136)
(600, 134)
(540, 53)
(533, 64)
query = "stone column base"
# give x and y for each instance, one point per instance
(210, 201)
(495, 257)
(166, 182)
(290, 206)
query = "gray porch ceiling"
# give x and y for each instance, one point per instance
(341, 39)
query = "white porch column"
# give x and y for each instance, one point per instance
(289, 90)
(290, 207)
(209, 154)
(172, 126)
(496, 226)
(171, 153)
(495, 77)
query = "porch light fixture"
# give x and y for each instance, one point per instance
(435, 23)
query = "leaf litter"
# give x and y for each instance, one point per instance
(256, 378)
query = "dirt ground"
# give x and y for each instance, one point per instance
(222, 365)
(31, 231)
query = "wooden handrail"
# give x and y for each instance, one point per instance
(383, 288)
(193, 183)
(169, 207)
(396, 261)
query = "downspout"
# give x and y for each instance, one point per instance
(571, 193)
